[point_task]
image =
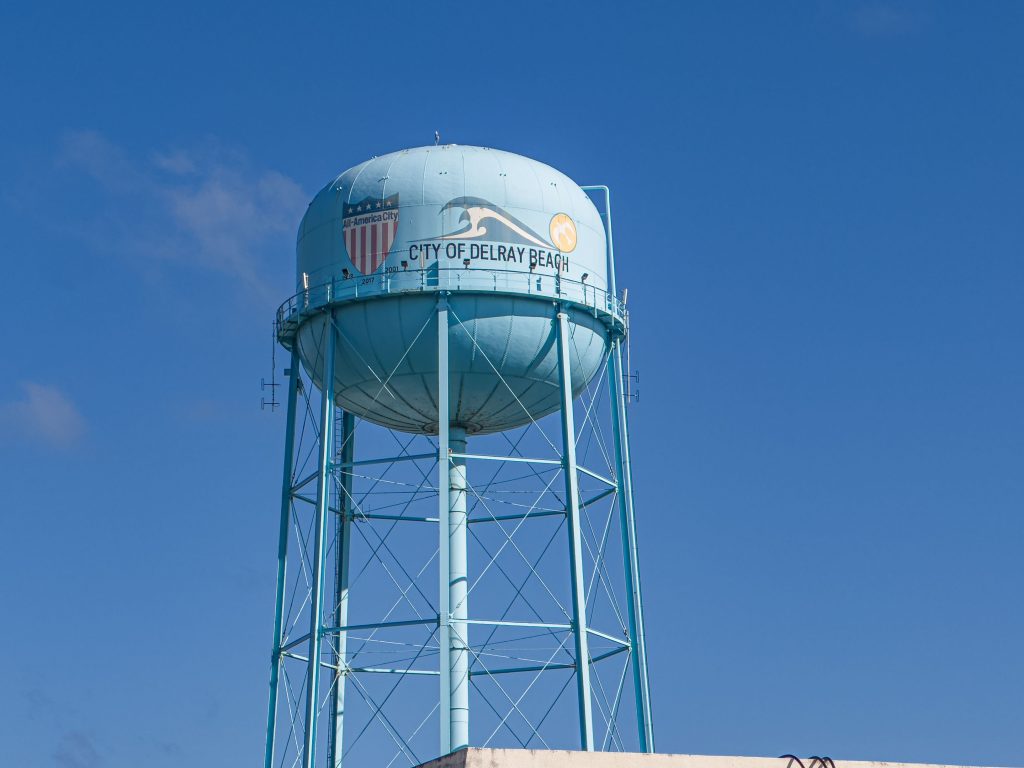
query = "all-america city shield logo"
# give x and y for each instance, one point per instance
(370, 227)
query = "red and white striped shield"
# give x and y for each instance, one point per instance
(370, 227)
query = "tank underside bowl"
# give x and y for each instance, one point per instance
(503, 359)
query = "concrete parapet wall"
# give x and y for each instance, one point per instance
(543, 758)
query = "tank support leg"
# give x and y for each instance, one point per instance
(579, 608)
(630, 558)
(282, 550)
(443, 508)
(344, 542)
(627, 521)
(323, 495)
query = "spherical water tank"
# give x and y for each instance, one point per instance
(506, 241)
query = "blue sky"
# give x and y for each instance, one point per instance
(817, 214)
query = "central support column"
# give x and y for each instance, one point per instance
(453, 638)
(572, 503)
(458, 637)
(444, 651)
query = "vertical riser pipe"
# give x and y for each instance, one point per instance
(627, 519)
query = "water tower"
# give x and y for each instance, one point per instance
(457, 580)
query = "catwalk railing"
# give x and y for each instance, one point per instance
(400, 282)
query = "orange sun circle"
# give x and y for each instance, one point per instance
(563, 232)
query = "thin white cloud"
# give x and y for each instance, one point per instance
(43, 413)
(893, 19)
(76, 749)
(177, 161)
(209, 208)
(229, 214)
(88, 151)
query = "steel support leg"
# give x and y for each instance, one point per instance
(457, 591)
(572, 497)
(282, 549)
(444, 526)
(336, 743)
(323, 497)
(630, 559)
(624, 479)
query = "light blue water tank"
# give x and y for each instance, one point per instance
(506, 239)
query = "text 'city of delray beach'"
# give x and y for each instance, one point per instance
(518, 254)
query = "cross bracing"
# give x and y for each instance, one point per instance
(379, 621)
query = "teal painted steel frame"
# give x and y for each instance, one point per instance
(282, 551)
(578, 293)
(449, 615)
(323, 501)
(344, 544)
(627, 517)
(572, 498)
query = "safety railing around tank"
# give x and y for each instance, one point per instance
(475, 280)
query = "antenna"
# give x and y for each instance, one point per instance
(272, 385)
(629, 376)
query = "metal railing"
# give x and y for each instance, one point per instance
(469, 280)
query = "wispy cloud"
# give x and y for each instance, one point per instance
(894, 19)
(168, 748)
(76, 749)
(210, 208)
(43, 413)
